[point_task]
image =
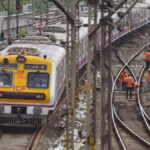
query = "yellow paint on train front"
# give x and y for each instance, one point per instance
(20, 78)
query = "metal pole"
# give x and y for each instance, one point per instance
(47, 7)
(77, 54)
(17, 23)
(33, 6)
(94, 79)
(71, 91)
(88, 117)
(8, 17)
(73, 72)
(41, 12)
(105, 88)
(67, 84)
(109, 89)
(106, 120)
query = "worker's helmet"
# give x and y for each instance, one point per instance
(148, 69)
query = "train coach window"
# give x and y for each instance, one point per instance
(35, 66)
(38, 80)
(6, 78)
(10, 65)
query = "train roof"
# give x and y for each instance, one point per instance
(54, 52)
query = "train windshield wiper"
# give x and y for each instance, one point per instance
(35, 75)
(7, 75)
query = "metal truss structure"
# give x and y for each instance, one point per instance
(107, 8)
(107, 25)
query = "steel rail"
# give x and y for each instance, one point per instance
(36, 138)
(139, 81)
(139, 101)
(131, 131)
(28, 147)
(112, 113)
(113, 110)
(143, 113)
(117, 131)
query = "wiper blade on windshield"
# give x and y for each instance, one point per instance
(32, 78)
(7, 75)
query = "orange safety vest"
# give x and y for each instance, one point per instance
(148, 76)
(135, 86)
(123, 76)
(148, 56)
(129, 81)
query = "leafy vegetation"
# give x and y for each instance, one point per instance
(23, 33)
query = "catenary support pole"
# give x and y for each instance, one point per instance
(88, 116)
(105, 87)
(17, 23)
(106, 23)
(8, 17)
(96, 63)
(47, 11)
(67, 82)
(73, 72)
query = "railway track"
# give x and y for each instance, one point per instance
(130, 133)
(35, 138)
(15, 138)
(130, 120)
(20, 138)
(135, 132)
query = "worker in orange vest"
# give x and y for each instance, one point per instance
(129, 85)
(148, 80)
(148, 58)
(135, 85)
(123, 76)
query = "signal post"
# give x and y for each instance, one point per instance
(71, 18)
(91, 95)
(107, 25)
(17, 17)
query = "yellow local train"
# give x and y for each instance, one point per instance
(32, 79)
(32, 71)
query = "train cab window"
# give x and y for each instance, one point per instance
(38, 80)
(6, 78)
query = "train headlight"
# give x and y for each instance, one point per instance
(40, 96)
(37, 110)
(21, 59)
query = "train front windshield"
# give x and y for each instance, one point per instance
(38, 80)
(6, 78)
